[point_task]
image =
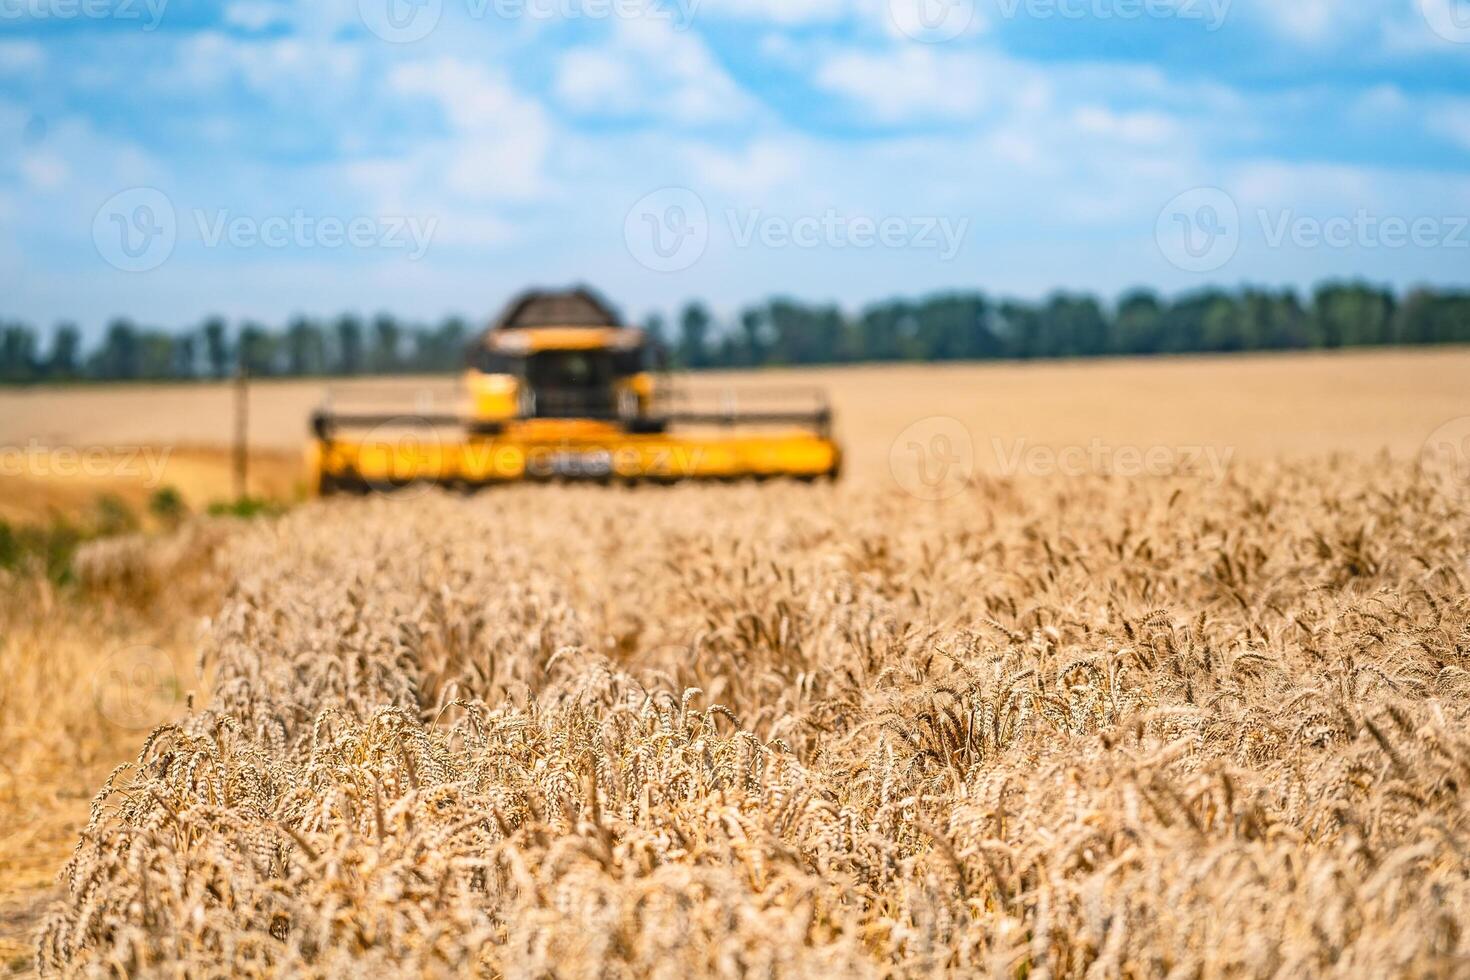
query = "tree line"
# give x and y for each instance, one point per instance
(941, 327)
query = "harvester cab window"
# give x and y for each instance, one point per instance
(569, 369)
(569, 383)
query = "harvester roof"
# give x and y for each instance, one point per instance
(576, 307)
(567, 319)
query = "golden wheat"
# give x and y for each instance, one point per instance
(1071, 728)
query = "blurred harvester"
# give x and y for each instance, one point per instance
(558, 388)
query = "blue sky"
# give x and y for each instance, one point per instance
(260, 158)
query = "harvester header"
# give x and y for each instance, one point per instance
(559, 388)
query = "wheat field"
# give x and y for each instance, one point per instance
(1194, 721)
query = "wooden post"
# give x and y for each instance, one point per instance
(242, 421)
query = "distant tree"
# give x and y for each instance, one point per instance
(1274, 321)
(1225, 326)
(1353, 314)
(1138, 323)
(119, 357)
(155, 355)
(884, 331)
(658, 338)
(954, 326)
(186, 356)
(305, 348)
(64, 363)
(941, 327)
(1183, 325)
(807, 335)
(1072, 326)
(257, 350)
(216, 347)
(349, 345)
(442, 348)
(18, 359)
(1428, 317)
(1020, 330)
(694, 326)
(386, 338)
(752, 345)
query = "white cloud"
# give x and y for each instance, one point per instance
(1381, 26)
(780, 11)
(1450, 119)
(20, 56)
(909, 82)
(756, 170)
(649, 68)
(44, 170)
(289, 69)
(1311, 21)
(500, 139)
(1143, 128)
(257, 15)
(1323, 188)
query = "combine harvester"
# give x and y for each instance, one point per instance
(559, 389)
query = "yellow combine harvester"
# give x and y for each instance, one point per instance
(559, 389)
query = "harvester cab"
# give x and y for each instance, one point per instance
(558, 388)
